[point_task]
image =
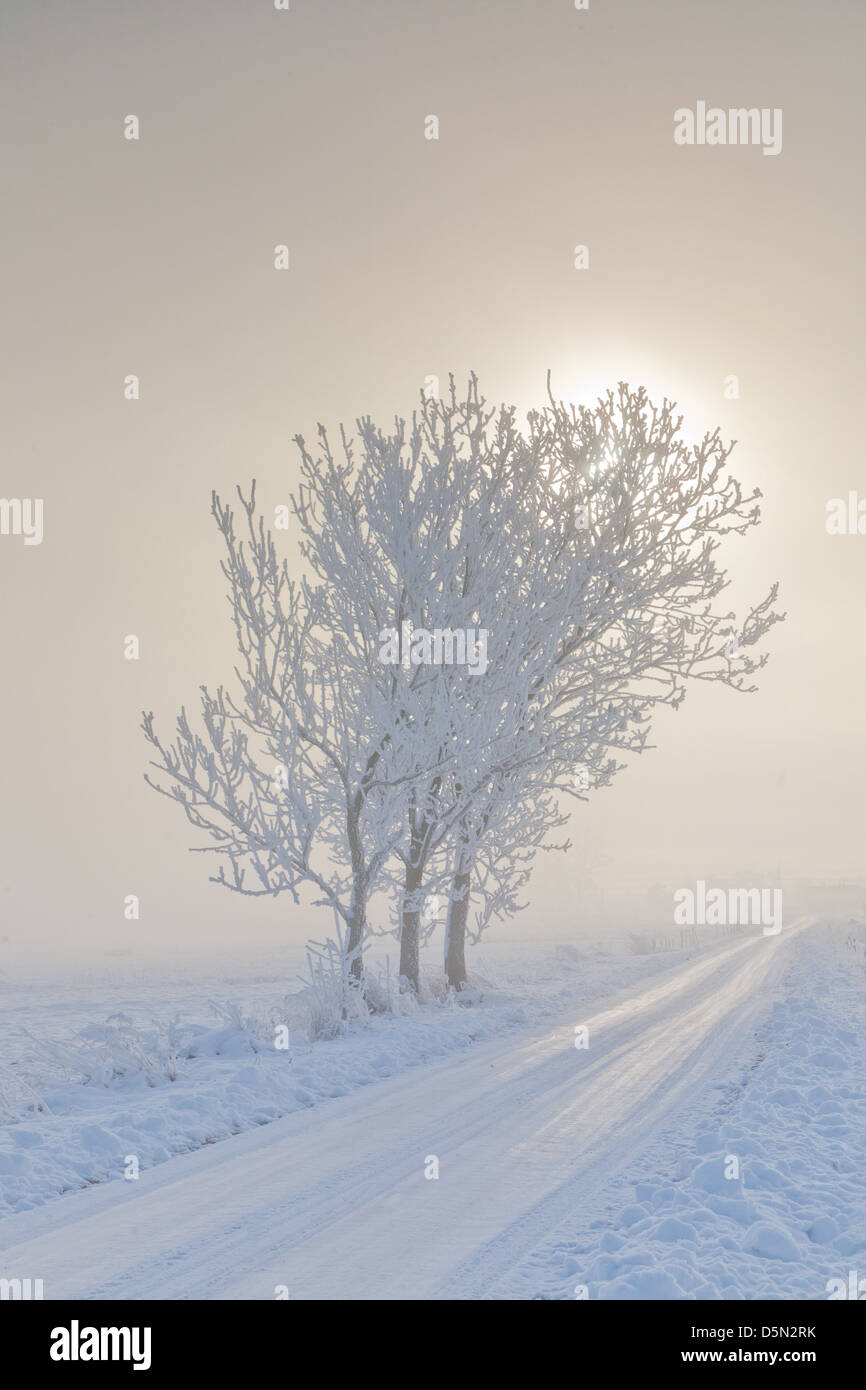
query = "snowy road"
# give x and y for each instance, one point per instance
(333, 1203)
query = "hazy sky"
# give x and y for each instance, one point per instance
(410, 257)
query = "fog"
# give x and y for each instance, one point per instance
(410, 258)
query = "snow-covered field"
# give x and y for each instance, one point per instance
(131, 1059)
(707, 1142)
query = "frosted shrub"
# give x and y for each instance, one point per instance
(332, 994)
(116, 1050)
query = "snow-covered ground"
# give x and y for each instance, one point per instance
(706, 1143)
(135, 1060)
(758, 1189)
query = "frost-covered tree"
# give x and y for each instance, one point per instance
(366, 750)
(281, 773)
(427, 530)
(640, 513)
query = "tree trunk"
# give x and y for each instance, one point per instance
(358, 918)
(455, 929)
(357, 929)
(410, 915)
